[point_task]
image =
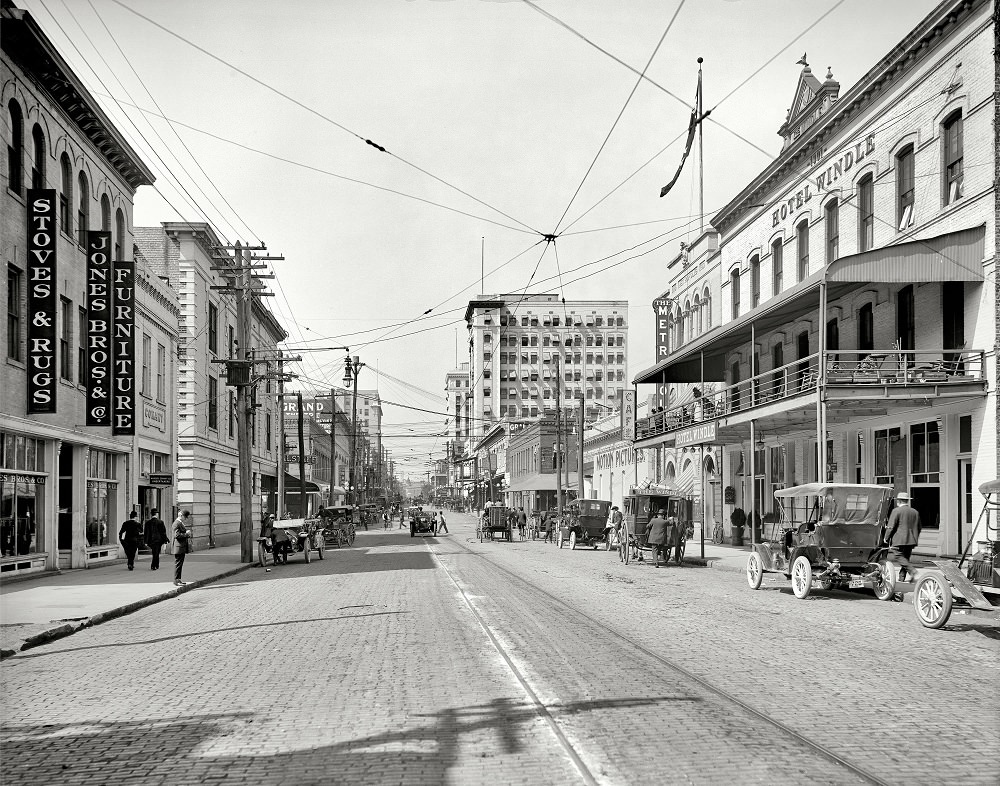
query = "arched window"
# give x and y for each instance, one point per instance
(734, 292)
(905, 189)
(706, 304)
(105, 213)
(680, 328)
(777, 267)
(119, 235)
(951, 134)
(802, 242)
(66, 194)
(866, 213)
(755, 281)
(832, 212)
(697, 310)
(83, 211)
(15, 150)
(37, 157)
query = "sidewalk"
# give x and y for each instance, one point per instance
(721, 556)
(36, 610)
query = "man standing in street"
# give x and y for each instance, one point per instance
(155, 535)
(441, 523)
(903, 533)
(130, 536)
(658, 538)
(182, 544)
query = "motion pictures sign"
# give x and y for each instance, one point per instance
(42, 300)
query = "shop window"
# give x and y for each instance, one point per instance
(15, 311)
(21, 515)
(925, 453)
(832, 213)
(887, 444)
(102, 493)
(953, 157)
(905, 189)
(866, 213)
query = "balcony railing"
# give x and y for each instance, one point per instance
(892, 368)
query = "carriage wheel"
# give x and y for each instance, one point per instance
(320, 546)
(350, 535)
(624, 547)
(932, 601)
(305, 550)
(572, 541)
(755, 570)
(884, 579)
(802, 576)
(261, 554)
(679, 551)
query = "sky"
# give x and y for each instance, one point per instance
(500, 122)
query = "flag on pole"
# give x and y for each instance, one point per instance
(696, 118)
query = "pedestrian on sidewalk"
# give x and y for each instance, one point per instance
(658, 537)
(903, 533)
(441, 523)
(522, 522)
(130, 536)
(182, 544)
(155, 535)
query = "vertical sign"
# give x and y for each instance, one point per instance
(42, 301)
(98, 338)
(628, 415)
(123, 348)
(661, 309)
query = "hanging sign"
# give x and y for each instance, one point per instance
(123, 348)
(42, 300)
(628, 415)
(98, 338)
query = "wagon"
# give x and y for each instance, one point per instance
(973, 585)
(337, 525)
(829, 535)
(290, 536)
(495, 525)
(586, 524)
(640, 507)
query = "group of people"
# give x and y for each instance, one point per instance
(153, 533)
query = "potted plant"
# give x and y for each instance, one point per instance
(738, 520)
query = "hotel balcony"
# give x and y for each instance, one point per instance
(851, 384)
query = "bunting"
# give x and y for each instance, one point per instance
(696, 118)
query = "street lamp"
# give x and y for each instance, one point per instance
(351, 370)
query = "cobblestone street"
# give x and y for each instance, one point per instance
(444, 660)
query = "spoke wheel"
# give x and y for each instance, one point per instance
(261, 555)
(305, 551)
(679, 553)
(572, 541)
(559, 539)
(884, 579)
(625, 546)
(350, 536)
(755, 570)
(802, 577)
(932, 601)
(320, 547)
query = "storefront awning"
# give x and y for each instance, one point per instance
(956, 256)
(542, 481)
(292, 485)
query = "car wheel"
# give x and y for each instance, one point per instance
(572, 541)
(261, 555)
(755, 570)
(305, 552)
(884, 580)
(559, 539)
(932, 601)
(802, 577)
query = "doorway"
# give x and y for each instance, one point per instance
(926, 500)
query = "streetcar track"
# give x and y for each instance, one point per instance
(806, 742)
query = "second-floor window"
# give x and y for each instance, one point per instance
(953, 154)
(904, 188)
(66, 339)
(147, 360)
(777, 266)
(734, 286)
(15, 150)
(15, 283)
(161, 372)
(213, 403)
(754, 281)
(802, 244)
(832, 211)
(866, 213)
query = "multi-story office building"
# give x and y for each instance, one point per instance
(854, 292)
(65, 486)
(208, 462)
(527, 349)
(458, 402)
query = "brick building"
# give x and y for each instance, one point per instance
(852, 318)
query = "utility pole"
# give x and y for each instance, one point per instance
(280, 502)
(351, 370)
(302, 459)
(333, 443)
(242, 281)
(579, 463)
(559, 508)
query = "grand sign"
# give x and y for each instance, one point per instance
(123, 348)
(42, 300)
(98, 338)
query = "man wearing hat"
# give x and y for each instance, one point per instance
(903, 532)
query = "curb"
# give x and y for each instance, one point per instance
(67, 629)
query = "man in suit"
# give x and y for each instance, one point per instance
(903, 533)
(658, 537)
(155, 535)
(130, 536)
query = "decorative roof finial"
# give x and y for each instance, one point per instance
(829, 72)
(802, 61)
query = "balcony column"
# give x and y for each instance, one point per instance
(820, 387)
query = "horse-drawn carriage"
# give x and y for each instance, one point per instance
(289, 536)
(829, 535)
(640, 507)
(496, 524)
(585, 523)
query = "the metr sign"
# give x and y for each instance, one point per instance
(661, 307)
(41, 249)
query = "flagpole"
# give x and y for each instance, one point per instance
(701, 156)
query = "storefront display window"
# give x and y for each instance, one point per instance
(885, 440)
(102, 492)
(21, 498)
(925, 455)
